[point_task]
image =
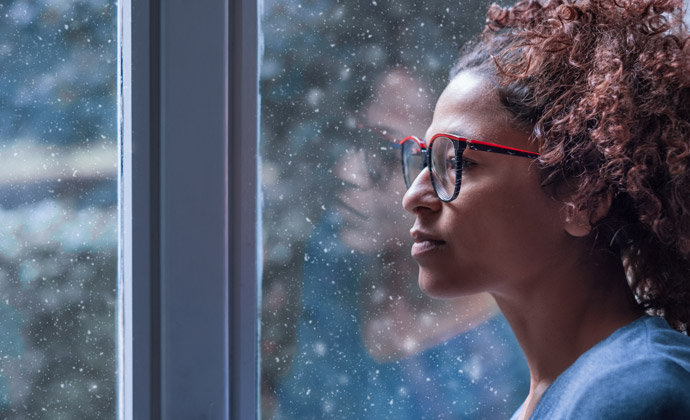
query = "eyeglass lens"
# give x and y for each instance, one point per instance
(444, 167)
(413, 161)
(443, 160)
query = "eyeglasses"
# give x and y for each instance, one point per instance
(444, 159)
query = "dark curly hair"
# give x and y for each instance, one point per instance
(604, 85)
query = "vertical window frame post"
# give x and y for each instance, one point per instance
(189, 194)
(245, 198)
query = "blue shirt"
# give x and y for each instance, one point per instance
(641, 371)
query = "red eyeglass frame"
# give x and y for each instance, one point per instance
(460, 144)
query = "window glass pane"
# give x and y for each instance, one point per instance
(346, 331)
(58, 209)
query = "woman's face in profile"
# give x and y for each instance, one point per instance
(502, 229)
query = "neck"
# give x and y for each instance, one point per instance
(570, 308)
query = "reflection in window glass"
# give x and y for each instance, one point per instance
(58, 209)
(346, 332)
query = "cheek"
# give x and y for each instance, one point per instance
(533, 238)
(500, 233)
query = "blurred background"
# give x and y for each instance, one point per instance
(346, 332)
(58, 209)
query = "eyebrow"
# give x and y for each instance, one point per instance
(476, 142)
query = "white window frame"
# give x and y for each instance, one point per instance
(189, 193)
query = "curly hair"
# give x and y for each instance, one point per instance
(604, 85)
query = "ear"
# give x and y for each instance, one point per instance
(579, 223)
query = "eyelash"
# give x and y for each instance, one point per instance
(467, 164)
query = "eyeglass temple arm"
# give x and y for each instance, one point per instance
(496, 148)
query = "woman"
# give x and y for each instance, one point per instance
(578, 220)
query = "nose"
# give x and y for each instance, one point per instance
(421, 197)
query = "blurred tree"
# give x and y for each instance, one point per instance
(58, 70)
(58, 224)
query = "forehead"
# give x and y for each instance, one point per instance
(469, 107)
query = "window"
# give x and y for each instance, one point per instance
(346, 332)
(338, 80)
(343, 323)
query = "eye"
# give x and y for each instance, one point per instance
(467, 164)
(452, 163)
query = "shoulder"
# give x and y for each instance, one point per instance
(644, 374)
(642, 371)
(656, 388)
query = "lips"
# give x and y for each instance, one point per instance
(424, 243)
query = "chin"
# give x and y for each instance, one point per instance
(446, 286)
(438, 288)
